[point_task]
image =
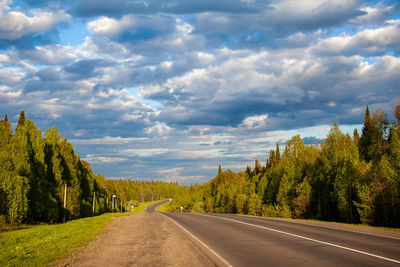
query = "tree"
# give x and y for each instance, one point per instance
(21, 118)
(254, 205)
(396, 109)
(278, 154)
(356, 137)
(7, 124)
(366, 137)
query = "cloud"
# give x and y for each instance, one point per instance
(108, 140)
(367, 42)
(117, 8)
(101, 160)
(376, 15)
(181, 85)
(16, 24)
(255, 121)
(49, 54)
(131, 27)
(280, 18)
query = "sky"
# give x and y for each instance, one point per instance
(169, 89)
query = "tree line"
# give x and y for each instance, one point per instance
(353, 179)
(35, 169)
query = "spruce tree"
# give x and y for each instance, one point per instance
(7, 124)
(366, 136)
(21, 119)
(356, 137)
(278, 154)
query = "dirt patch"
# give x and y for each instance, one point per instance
(144, 239)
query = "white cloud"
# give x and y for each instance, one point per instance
(368, 41)
(110, 27)
(50, 54)
(160, 129)
(147, 152)
(102, 160)
(15, 24)
(108, 140)
(375, 15)
(255, 122)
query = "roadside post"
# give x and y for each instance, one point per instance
(181, 208)
(113, 202)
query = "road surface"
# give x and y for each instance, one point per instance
(250, 241)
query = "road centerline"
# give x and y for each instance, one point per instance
(303, 237)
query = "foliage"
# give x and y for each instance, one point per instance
(34, 171)
(349, 179)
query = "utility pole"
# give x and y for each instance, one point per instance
(65, 201)
(94, 203)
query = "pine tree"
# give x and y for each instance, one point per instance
(219, 169)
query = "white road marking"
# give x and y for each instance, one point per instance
(303, 237)
(328, 227)
(198, 240)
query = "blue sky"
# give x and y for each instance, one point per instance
(170, 89)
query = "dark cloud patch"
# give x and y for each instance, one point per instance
(49, 74)
(117, 8)
(85, 68)
(31, 41)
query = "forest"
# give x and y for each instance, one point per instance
(352, 179)
(35, 170)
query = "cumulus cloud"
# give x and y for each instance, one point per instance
(376, 15)
(132, 27)
(183, 84)
(255, 121)
(16, 24)
(367, 42)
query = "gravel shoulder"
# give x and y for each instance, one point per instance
(143, 239)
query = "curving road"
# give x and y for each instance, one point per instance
(250, 241)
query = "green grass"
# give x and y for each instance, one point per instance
(164, 207)
(41, 244)
(142, 206)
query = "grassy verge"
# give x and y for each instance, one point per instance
(41, 244)
(142, 206)
(164, 207)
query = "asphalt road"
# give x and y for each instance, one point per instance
(251, 241)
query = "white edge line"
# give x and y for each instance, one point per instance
(328, 227)
(198, 240)
(303, 237)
